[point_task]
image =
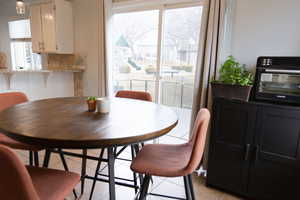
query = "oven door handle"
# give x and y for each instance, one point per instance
(283, 71)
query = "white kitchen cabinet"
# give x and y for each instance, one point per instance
(52, 27)
(36, 28)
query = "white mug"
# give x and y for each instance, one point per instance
(103, 105)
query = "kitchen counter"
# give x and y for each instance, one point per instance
(76, 70)
(52, 69)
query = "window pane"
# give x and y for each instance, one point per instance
(19, 29)
(135, 50)
(23, 58)
(179, 55)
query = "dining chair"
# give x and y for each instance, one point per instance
(32, 183)
(7, 100)
(138, 95)
(167, 160)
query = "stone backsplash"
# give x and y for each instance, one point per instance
(52, 61)
(3, 61)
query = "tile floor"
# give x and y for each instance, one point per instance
(171, 186)
(168, 186)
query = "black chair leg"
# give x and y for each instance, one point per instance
(36, 158)
(191, 187)
(187, 188)
(63, 160)
(96, 173)
(137, 149)
(134, 174)
(31, 158)
(145, 187)
(83, 169)
(47, 158)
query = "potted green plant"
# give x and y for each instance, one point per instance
(91, 101)
(150, 69)
(235, 82)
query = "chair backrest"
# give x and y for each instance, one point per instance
(15, 181)
(11, 98)
(145, 96)
(198, 139)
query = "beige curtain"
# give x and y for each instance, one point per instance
(102, 51)
(105, 16)
(209, 55)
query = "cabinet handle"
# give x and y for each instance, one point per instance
(256, 154)
(247, 152)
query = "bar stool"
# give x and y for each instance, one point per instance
(32, 183)
(145, 96)
(10, 99)
(138, 95)
(7, 100)
(173, 160)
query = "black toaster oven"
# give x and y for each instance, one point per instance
(277, 80)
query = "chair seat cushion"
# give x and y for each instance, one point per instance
(5, 140)
(52, 184)
(163, 160)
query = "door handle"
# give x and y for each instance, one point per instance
(247, 152)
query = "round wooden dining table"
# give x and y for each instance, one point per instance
(65, 123)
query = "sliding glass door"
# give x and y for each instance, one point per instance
(156, 51)
(135, 51)
(179, 55)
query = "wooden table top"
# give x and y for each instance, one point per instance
(65, 123)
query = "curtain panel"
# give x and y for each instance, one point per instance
(210, 48)
(107, 75)
(105, 48)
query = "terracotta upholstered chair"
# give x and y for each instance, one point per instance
(173, 160)
(138, 95)
(145, 96)
(32, 183)
(7, 100)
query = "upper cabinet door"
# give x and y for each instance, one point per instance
(52, 27)
(36, 28)
(48, 27)
(64, 26)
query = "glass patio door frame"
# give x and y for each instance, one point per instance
(162, 9)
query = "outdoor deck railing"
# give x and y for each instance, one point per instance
(168, 96)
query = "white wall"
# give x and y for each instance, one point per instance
(59, 84)
(88, 33)
(4, 39)
(265, 28)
